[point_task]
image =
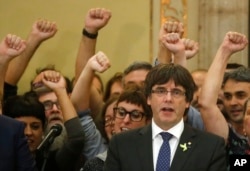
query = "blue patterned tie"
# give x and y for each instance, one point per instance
(163, 161)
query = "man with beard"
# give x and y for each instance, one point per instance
(65, 151)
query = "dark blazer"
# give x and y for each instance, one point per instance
(14, 150)
(132, 151)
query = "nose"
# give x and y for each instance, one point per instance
(127, 118)
(27, 131)
(54, 107)
(233, 101)
(167, 96)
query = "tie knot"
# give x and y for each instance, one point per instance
(166, 136)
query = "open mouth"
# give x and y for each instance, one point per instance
(124, 129)
(167, 109)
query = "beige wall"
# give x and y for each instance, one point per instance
(125, 39)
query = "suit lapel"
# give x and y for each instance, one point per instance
(144, 147)
(184, 149)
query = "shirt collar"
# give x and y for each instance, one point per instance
(176, 130)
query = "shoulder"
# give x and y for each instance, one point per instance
(134, 132)
(203, 136)
(9, 122)
(93, 164)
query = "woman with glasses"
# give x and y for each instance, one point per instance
(130, 111)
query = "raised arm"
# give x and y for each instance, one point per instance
(212, 117)
(164, 55)
(71, 152)
(96, 19)
(80, 96)
(11, 46)
(41, 31)
(55, 81)
(94, 143)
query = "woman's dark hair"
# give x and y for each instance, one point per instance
(134, 95)
(24, 105)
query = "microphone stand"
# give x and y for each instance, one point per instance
(44, 146)
(45, 156)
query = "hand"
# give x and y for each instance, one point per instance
(171, 27)
(234, 42)
(173, 43)
(191, 47)
(10, 47)
(99, 62)
(53, 80)
(96, 19)
(43, 29)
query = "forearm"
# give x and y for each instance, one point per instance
(164, 55)
(67, 107)
(180, 58)
(80, 96)
(94, 142)
(85, 51)
(18, 65)
(213, 82)
(71, 152)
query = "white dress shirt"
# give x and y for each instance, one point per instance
(176, 131)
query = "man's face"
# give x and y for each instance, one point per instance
(235, 95)
(135, 77)
(167, 109)
(199, 78)
(53, 112)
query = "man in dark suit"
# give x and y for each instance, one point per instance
(14, 151)
(169, 90)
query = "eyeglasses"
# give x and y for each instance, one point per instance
(176, 93)
(134, 115)
(108, 121)
(48, 105)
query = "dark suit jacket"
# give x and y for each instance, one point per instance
(14, 150)
(132, 151)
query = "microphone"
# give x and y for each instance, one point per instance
(55, 130)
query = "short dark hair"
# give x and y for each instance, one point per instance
(241, 74)
(138, 65)
(69, 86)
(162, 73)
(135, 95)
(24, 105)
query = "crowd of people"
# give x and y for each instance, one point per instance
(158, 116)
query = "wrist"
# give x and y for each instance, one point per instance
(89, 35)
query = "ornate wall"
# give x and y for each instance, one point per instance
(206, 22)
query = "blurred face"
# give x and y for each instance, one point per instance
(199, 78)
(235, 95)
(33, 131)
(135, 77)
(53, 112)
(168, 108)
(247, 120)
(109, 124)
(116, 88)
(124, 121)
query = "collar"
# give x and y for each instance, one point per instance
(176, 130)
